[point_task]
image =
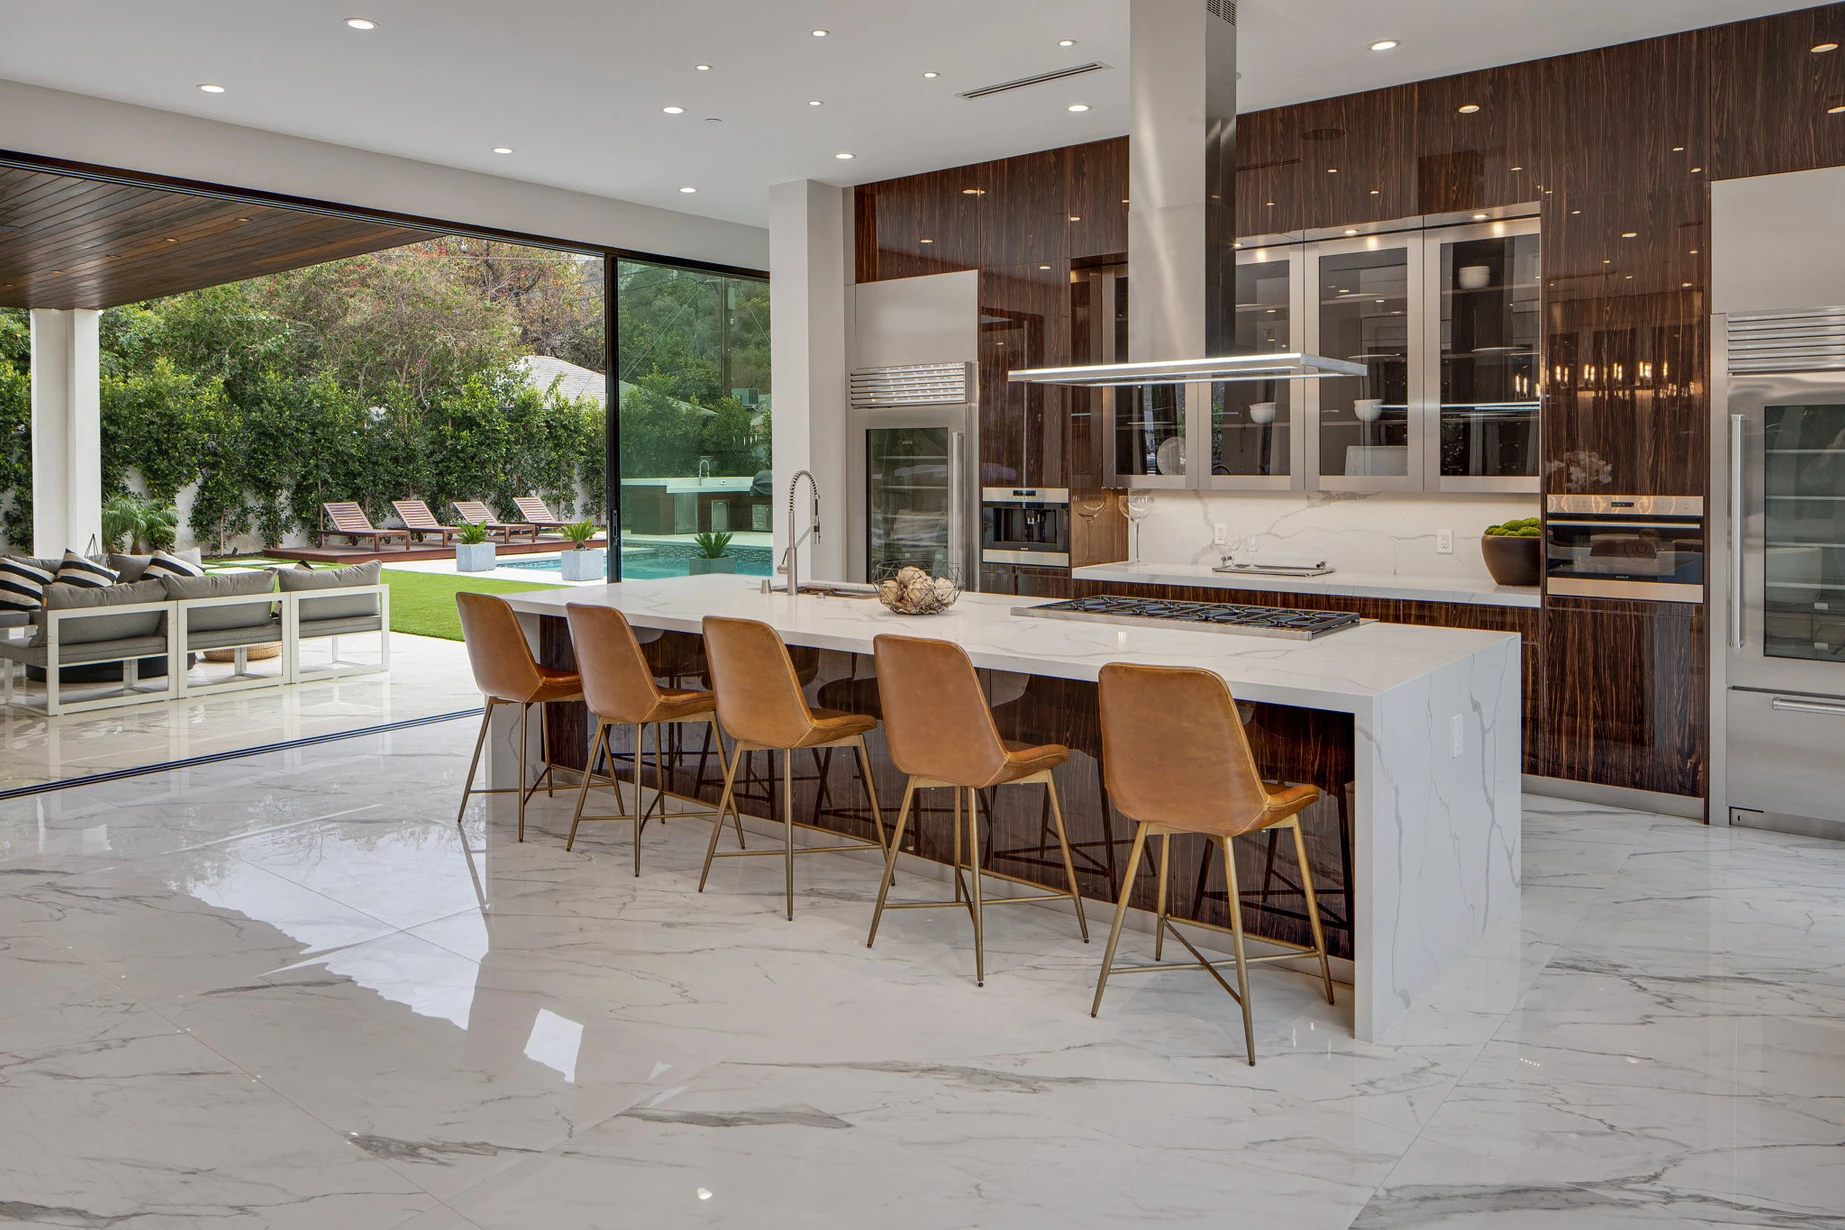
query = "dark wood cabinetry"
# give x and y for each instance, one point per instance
(1618, 146)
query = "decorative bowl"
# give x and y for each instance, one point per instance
(1512, 560)
(911, 591)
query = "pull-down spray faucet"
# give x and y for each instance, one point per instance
(791, 557)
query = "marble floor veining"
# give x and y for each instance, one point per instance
(288, 991)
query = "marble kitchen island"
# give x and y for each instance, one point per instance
(1433, 716)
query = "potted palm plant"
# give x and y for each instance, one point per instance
(136, 523)
(580, 563)
(711, 553)
(473, 549)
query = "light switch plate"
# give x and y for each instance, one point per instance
(1220, 534)
(1444, 542)
(1457, 737)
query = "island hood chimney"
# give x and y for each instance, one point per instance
(1182, 210)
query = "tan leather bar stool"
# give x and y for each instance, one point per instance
(761, 707)
(941, 733)
(1178, 761)
(619, 689)
(507, 674)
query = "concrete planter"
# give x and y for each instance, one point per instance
(473, 557)
(588, 564)
(698, 565)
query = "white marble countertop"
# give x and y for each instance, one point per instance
(1343, 671)
(1345, 584)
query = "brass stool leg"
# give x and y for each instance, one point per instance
(890, 860)
(480, 740)
(595, 745)
(1069, 865)
(544, 750)
(713, 731)
(525, 712)
(1121, 909)
(1242, 962)
(1313, 907)
(788, 829)
(1159, 923)
(960, 887)
(973, 854)
(871, 790)
(717, 821)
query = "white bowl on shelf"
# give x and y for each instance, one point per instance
(1262, 412)
(1474, 277)
(1368, 409)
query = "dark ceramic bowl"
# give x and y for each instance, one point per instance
(1512, 561)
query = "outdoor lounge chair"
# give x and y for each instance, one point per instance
(476, 512)
(539, 513)
(421, 522)
(350, 521)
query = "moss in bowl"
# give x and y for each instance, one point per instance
(1514, 551)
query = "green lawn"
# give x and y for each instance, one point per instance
(423, 603)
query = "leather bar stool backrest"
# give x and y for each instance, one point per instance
(618, 681)
(759, 696)
(937, 723)
(1174, 750)
(502, 661)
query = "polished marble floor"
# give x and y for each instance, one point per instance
(428, 676)
(287, 991)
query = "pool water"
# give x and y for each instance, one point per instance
(655, 563)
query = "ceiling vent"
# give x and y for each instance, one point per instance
(1060, 74)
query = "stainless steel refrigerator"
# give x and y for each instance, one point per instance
(1780, 584)
(912, 448)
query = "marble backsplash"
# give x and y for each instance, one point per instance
(1373, 534)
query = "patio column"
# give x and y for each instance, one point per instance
(808, 275)
(66, 430)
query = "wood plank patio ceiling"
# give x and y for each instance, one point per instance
(71, 242)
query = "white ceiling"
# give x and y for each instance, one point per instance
(576, 87)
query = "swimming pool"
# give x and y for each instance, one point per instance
(661, 561)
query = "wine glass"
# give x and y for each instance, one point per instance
(1137, 508)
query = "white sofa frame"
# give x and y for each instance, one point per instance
(176, 685)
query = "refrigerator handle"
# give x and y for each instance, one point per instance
(1736, 531)
(957, 511)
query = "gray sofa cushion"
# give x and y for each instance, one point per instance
(246, 583)
(62, 597)
(350, 607)
(130, 567)
(311, 628)
(95, 651)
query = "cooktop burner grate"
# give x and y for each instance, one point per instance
(1216, 616)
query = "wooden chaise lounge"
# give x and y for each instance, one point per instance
(476, 512)
(422, 523)
(350, 521)
(536, 511)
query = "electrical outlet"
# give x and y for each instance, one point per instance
(1220, 534)
(1444, 542)
(1457, 737)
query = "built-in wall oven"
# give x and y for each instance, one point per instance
(1025, 525)
(1782, 442)
(1644, 547)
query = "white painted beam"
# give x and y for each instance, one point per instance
(66, 431)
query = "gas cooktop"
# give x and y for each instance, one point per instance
(1288, 622)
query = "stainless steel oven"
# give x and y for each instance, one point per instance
(1644, 547)
(1025, 525)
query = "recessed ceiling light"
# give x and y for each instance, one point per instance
(1678, 149)
(813, 102)
(1684, 286)
(1518, 168)
(1044, 266)
(1630, 234)
(1332, 170)
(1385, 44)
(842, 155)
(925, 241)
(821, 33)
(673, 110)
(1575, 211)
(212, 89)
(1840, 110)
(1479, 217)
(1077, 107)
(688, 190)
(1076, 217)
(1695, 170)
(1066, 42)
(1374, 192)
(502, 149)
(361, 23)
(1606, 261)
(703, 68)
(932, 74)
(1819, 47)
(1469, 108)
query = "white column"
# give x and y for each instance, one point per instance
(808, 274)
(66, 430)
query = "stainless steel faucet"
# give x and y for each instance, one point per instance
(704, 469)
(791, 557)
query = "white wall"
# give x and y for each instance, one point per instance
(55, 124)
(1776, 242)
(1392, 534)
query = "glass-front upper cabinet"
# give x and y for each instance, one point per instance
(1483, 316)
(1365, 296)
(1254, 425)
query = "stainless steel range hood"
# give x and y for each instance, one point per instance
(1182, 210)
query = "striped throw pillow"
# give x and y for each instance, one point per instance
(22, 585)
(166, 564)
(84, 573)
